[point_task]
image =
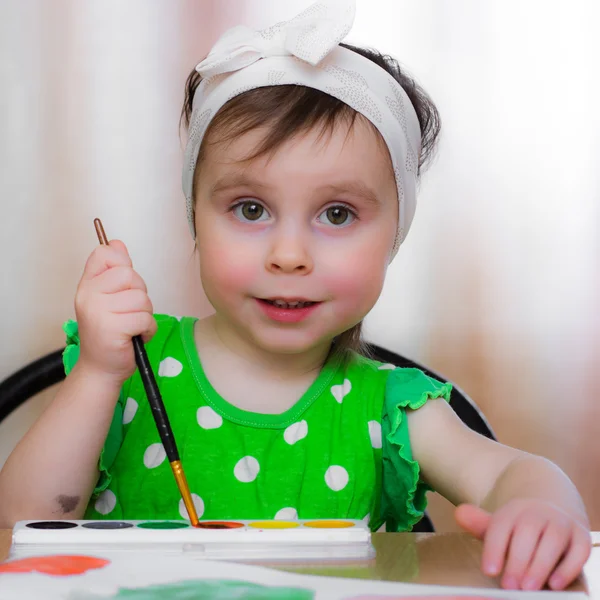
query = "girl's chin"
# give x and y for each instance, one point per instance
(281, 342)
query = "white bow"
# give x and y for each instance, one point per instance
(310, 36)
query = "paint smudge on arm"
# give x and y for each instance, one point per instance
(67, 503)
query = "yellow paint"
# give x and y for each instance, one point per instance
(273, 524)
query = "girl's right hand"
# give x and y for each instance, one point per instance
(111, 306)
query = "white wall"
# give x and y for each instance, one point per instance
(91, 94)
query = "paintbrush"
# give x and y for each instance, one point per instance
(158, 409)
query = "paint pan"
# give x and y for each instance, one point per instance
(274, 524)
(219, 525)
(329, 524)
(163, 525)
(272, 540)
(107, 525)
(53, 525)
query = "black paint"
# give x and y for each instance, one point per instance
(52, 525)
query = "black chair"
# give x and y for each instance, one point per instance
(463, 406)
(29, 381)
(48, 370)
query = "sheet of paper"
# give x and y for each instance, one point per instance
(148, 576)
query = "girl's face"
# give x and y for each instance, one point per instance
(314, 224)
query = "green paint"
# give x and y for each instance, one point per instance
(206, 589)
(164, 525)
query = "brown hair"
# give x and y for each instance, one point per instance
(291, 109)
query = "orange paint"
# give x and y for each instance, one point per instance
(63, 565)
(332, 524)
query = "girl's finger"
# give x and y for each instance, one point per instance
(473, 519)
(119, 278)
(526, 536)
(575, 558)
(119, 246)
(139, 323)
(497, 539)
(553, 543)
(103, 258)
(129, 301)
(148, 335)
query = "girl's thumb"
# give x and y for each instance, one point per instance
(472, 519)
(119, 246)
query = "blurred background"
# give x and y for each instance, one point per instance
(498, 284)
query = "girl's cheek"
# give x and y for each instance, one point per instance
(225, 269)
(358, 278)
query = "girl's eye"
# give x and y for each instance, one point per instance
(338, 215)
(250, 211)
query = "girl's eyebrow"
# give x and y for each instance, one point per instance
(353, 187)
(238, 179)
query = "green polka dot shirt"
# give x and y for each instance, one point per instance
(341, 451)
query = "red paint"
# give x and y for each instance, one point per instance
(287, 315)
(219, 525)
(54, 565)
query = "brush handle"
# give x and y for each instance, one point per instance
(155, 399)
(158, 408)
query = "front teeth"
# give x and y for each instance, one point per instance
(282, 304)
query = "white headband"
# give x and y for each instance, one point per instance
(305, 51)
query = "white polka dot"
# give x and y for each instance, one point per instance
(154, 456)
(169, 367)
(198, 503)
(336, 478)
(246, 469)
(208, 418)
(295, 432)
(131, 407)
(286, 514)
(375, 433)
(341, 390)
(387, 367)
(106, 502)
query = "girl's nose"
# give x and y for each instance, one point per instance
(289, 253)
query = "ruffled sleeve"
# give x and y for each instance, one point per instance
(403, 492)
(114, 438)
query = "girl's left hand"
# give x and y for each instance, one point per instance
(529, 541)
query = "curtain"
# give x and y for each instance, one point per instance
(498, 283)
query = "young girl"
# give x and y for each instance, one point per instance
(300, 176)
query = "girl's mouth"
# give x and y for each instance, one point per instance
(289, 303)
(287, 311)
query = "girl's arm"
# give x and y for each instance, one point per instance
(530, 516)
(53, 470)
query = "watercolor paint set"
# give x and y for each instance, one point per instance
(317, 539)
